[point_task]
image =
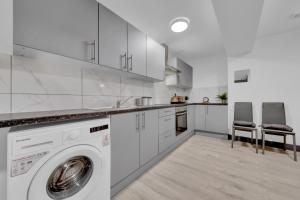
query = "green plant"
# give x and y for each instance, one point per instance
(223, 97)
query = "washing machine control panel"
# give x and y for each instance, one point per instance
(24, 164)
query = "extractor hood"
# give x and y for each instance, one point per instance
(170, 69)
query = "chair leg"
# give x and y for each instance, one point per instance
(232, 137)
(295, 150)
(256, 140)
(251, 137)
(263, 142)
(284, 142)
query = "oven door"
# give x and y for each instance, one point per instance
(181, 122)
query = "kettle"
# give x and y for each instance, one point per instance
(205, 100)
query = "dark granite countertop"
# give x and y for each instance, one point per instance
(37, 118)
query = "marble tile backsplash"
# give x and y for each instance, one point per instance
(5, 74)
(33, 80)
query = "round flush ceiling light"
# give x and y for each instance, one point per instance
(179, 24)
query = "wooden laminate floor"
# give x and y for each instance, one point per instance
(207, 168)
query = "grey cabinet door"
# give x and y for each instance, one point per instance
(191, 118)
(216, 119)
(64, 27)
(124, 145)
(112, 39)
(200, 117)
(186, 75)
(155, 60)
(137, 47)
(148, 136)
(167, 131)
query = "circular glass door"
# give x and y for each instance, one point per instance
(69, 177)
(72, 173)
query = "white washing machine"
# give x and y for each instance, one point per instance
(60, 162)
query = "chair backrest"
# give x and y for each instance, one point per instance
(243, 111)
(273, 113)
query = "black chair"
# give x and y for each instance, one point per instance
(243, 121)
(274, 123)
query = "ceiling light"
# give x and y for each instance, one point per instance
(179, 24)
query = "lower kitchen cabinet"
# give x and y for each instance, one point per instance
(139, 140)
(217, 119)
(211, 118)
(167, 132)
(191, 118)
(200, 117)
(124, 145)
(148, 136)
(166, 139)
(134, 142)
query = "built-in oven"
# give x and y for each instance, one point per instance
(181, 119)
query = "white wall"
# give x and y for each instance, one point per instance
(274, 76)
(210, 77)
(6, 26)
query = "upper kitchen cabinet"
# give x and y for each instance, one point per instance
(184, 78)
(121, 45)
(112, 39)
(65, 27)
(137, 47)
(155, 60)
(185, 75)
(6, 24)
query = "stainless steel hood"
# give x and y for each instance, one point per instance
(170, 69)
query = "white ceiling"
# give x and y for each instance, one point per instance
(276, 19)
(238, 21)
(216, 25)
(202, 39)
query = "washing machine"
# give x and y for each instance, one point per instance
(60, 162)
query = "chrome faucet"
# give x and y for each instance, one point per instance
(119, 103)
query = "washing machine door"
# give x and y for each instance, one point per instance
(71, 174)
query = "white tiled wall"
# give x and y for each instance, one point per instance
(39, 81)
(197, 94)
(5, 85)
(5, 73)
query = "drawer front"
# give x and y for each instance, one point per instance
(166, 112)
(166, 123)
(166, 139)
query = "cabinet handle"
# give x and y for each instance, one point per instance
(144, 119)
(93, 54)
(129, 59)
(137, 122)
(123, 58)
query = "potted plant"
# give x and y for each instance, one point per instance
(222, 97)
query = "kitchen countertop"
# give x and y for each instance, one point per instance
(37, 118)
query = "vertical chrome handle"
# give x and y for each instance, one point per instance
(137, 122)
(93, 52)
(207, 110)
(124, 57)
(129, 59)
(144, 119)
